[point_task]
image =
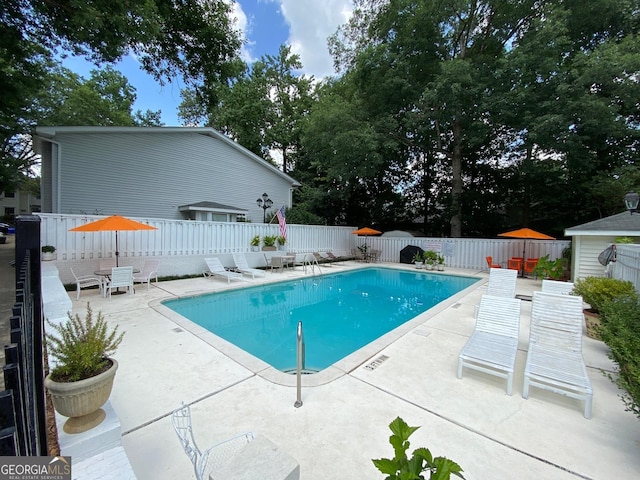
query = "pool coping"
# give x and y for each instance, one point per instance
(335, 371)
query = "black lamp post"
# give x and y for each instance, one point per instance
(265, 203)
(631, 200)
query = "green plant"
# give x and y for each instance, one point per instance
(546, 268)
(400, 467)
(48, 249)
(281, 240)
(417, 257)
(597, 291)
(269, 240)
(620, 330)
(621, 240)
(363, 248)
(81, 346)
(430, 257)
(255, 241)
(440, 259)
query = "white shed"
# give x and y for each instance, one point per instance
(592, 238)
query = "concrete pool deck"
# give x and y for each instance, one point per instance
(343, 423)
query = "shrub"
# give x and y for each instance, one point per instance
(48, 249)
(255, 241)
(621, 332)
(82, 346)
(400, 467)
(269, 240)
(597, 291)
(546, 268)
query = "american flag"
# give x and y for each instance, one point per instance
(282, 221)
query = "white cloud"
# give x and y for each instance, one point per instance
(311, 22)
(242, 24)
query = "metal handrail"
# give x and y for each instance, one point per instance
(300, 363)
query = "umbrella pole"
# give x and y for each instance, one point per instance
(117, 253)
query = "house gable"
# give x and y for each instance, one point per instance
(152, 171)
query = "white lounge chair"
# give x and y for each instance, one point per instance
(554, 286)
(554, 361)
(241, 264)
(120, 277)
(86, 281)
(217, 270)
(502, 283)
(205, 463)
(149, 271)
(493, 346)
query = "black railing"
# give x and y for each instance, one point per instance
(23, 430)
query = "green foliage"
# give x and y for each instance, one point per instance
(620, 330)
(546, 268)
(624, 240)
(430, 257)
(255, 241)
(401, 467)
(281, 240)
(81, 346)
(417, 257)
(269, 240)
(597, 291)
(48, 249)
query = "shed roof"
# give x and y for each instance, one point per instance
(622, 224)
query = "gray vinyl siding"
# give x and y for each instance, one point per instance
(586, 255)
(152, 174)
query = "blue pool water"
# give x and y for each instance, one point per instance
(340, 312)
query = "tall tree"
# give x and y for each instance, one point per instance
(263, 109)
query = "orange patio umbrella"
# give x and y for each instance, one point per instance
(526, 234)
(114, 223)
(366, 231)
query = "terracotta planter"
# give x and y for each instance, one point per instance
(592, 321)
(81, 401)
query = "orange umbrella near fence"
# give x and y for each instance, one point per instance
(366, 231)
(114, 223)
(526, 234)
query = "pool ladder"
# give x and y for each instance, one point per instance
(300, 361)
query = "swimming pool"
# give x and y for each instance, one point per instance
(340, 312)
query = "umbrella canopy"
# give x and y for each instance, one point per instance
(113, 223)
(526, 233)
(366, 231)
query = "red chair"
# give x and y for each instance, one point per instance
(530, 265)
(514, 264)
(491, 264)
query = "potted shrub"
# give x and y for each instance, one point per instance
(440, 263)
(549, 269)
(281, 242)
(269, 242)
(81, 380)
(48, 252)
(597, 291)
(418, 260)
(430, 259)
(255, 243)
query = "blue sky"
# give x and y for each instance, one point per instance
(303, 24)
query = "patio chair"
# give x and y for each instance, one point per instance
(120, 277)
(554, 361)
(276, 263)
(555, 286)
(489, 260)
(86, 281)
(530, 265)
(243, 267)
(205, 463)
(148, 272)
(493, 346)
(514, 264)
(217, 270)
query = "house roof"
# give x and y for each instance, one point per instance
(51, 132)
(620, 225)
(211, 207)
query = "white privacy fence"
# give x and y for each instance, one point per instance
(182, 245)
(627, 264)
